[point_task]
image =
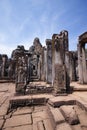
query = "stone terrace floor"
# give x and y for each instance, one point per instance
(49, 116)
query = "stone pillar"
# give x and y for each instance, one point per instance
(4, 61)
(60, 63)
(45, 64)
(84, 64)
(80, 71)
(49, 60)
(67, 68)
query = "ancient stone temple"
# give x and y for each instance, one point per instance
(82, 64)
(54, 64)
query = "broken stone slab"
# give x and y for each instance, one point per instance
(1, 123)
(61, 100)
(15, 121)
(25, 127)
(70, 114)
(22, 111)
(57, 116)
(63, 126)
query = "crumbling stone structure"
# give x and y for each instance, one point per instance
(19, 67)
(60, 74)
(54, 64)
(35, 61)
(82, 66)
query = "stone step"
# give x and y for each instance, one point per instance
(17, 101)
(80, 89)
(38, 89)
(57, 116)
(61, 100)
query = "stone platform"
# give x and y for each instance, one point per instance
(42, 111)
(38, 87)
(78, 87)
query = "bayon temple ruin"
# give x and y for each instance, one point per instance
(45, 87)
(53, 64)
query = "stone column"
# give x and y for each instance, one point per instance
(67, 64)
(45, 64)
(80, 71)
(49, 60)
(60, 65)
(84, 64)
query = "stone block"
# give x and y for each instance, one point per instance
(18, 121)
(57, 116)
(61, 100)
(3, 111)
(22, 111)
(41, 114)
(76, 127)
(63, 126)
(25, 127)
(35, 127)
(40, 125)
(70, 114)
(1, 123)
(83, 119)
(48, 125)
(40, 108)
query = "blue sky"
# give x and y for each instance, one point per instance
(23, 20)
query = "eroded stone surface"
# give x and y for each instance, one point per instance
(70, 114)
